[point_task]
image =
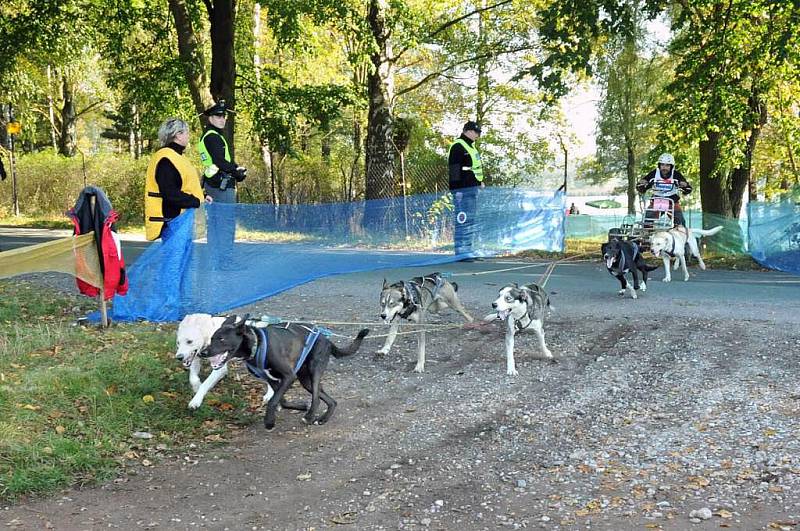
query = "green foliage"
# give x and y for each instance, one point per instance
(49, 183)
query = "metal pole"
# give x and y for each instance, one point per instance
(103, 309)
(12, 159)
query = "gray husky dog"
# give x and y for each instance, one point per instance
(413, 300)
(521, 308)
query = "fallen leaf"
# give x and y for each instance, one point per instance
(60, 429)
(168, 394)
(30, 407)
(148, 399)
(303, 477)
(722, 513)
(344, 518)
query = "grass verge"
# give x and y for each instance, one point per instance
(71, 397)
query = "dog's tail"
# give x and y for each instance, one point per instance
(350, 349)
(708, 232)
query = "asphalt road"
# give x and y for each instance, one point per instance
(585, 287)
(14, 237)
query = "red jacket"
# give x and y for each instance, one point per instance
(115, 279)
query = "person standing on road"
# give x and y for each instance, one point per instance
(220, 176)
(465, 179)
(172, 184)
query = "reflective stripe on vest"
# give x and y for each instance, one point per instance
(474, 156)
(153, 202)
(205, 156)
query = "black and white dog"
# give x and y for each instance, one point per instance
(278, 354)
(521, 308)
(413, 300)
(622, 257)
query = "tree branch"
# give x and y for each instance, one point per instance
(434, 75)
(89, 108)
(453, 22)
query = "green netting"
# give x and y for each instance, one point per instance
(731, 240)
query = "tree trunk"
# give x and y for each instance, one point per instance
(380, 151)
(483, 71)
(743, 175)
(223, 58)
(51, 108)
(190, 50)
(713, 195)
(630, 168)
(67, 139)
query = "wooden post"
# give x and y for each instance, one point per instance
(103, 309)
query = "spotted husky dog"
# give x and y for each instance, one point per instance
(521, 308)
(413, 300)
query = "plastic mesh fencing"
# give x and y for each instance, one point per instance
(774, 235)
(250, 252)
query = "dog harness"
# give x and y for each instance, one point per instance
(257, 364)
(413, 295)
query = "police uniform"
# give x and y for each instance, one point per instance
(465, 174)
(220, 172)
(220, 175)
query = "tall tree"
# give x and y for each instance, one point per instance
(630, 85)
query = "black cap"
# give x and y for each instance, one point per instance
(218, 109)
(472, 126)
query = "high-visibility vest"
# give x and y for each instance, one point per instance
(476, 167)
(205, 156)
(153, 202)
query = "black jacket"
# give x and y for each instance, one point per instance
(215, 146)
(459, 158)
(169, 184)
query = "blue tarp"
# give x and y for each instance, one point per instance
(255, 251)
(774, 235)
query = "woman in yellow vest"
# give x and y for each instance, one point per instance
(172, 184)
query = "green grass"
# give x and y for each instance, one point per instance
(46, 222)
(71, 396)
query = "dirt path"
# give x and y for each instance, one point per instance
(657, 408)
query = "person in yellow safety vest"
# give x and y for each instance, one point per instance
(220, 172)
(172, 184)
(465, 178)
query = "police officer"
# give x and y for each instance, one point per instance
(665, 182)
(465, 178)
(220, 175)
(220, 172)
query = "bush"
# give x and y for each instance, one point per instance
(49, 184)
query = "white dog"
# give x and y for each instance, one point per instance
(194, 334)
(520, 308)
(672, 244)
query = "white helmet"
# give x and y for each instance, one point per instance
(666, 158)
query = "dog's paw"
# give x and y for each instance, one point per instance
(512, 372)
(195, 403)
(419, 368)
(643, 288)
(686, 278)
(621, 293)
(666, 279)
(633, 294)
(381, 352)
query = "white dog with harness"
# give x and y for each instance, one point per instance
(672, 244)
